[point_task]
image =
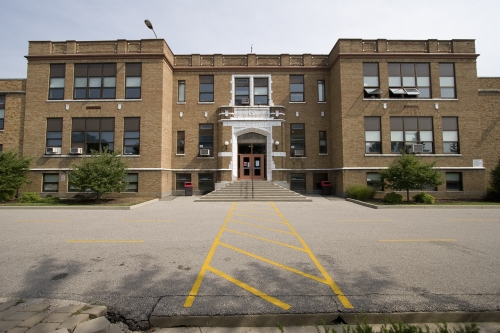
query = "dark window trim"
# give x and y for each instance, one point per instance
(298, 84)
(206, 88)
(130, 72)
(85, 142)
(50, 183)
(105, 67)
(57, 71)
(297, 139)
(134, 133)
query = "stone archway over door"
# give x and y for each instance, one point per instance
(252, 148)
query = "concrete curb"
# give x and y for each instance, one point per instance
(366, 204)
(422, 317)
(76, 207)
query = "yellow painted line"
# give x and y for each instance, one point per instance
(105, 241)
(266, 240)
(33, 221)
(366, 221)
(277, 264)
(196, 286)
(148, 220)
(255, 211)
(251, 289)
(473, 220)
(418, 240)
(262, 227)
(343, 299)
(259, 218)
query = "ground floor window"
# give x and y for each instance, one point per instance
(180, 179)
(206, 182)
(50, 182)
(133, 182)
(374, 180)
(454, 181)
(298, 182)
(317, 179)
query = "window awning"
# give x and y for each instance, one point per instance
(373, 91)
(412, 91)
(398, 91)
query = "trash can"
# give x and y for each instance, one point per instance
(326, 187)
(188, 188)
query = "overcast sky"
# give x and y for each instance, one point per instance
(233, 26)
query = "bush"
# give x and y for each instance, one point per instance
(393, 198)
(6, 195)
(29, 197)
(492, 194)
(424, 198)
(360, 192)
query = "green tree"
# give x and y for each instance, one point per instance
(409, 173)
(13, 173)
(101, 173)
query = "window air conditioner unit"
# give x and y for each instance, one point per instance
(417, 148)
(76, 151)
(53, 151)
(299, 152)
(205, 152)
(245, 101)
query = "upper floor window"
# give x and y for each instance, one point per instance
(56, 85)
(133, 73)
(251, 90)
(131, 136)
(414, 134)
(447, 80)
(206, 140)
(206, 88)
(54, 132)
(409, 80)
(260, 91)
(321, 91)
(296, 88)
(181, 87)
(95, 81)
(242, 89)
(371, 81)
(93, 134)
(373, 138)
(450, 135)
(297, 140)
(180, 142)
(322, 142)
(2, 111)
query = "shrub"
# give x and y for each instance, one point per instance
(492, 194)
(29, 197)
(360, 192)
(393, 198)
(6, 196)
(424, 198)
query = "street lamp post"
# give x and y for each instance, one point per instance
(150, 26)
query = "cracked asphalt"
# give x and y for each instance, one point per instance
(248, 259)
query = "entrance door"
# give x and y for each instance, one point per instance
(251, 166)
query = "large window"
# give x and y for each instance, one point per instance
(206, 88)
(374, 180)
(133, 182)
(93, 134)
(131, 136)
(260, 91)
(180, 179)
(133, 73)
(450, 135)
(206, 140)
(50, 182)
(181, 142)
(56, 85)
(321, 91)
(251, 91)
(371, 81)
(409, 80)
(95, 81)
(296, 88)
(242, 88)
(454, 181)
(54, 132)
(181, 91)
(410, 132)
(297, 140)
(2, 111)
(447, 80)
(298, 182)
(206, 182)
(322, 143)
(373, 141)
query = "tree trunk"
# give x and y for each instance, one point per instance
(408, 195)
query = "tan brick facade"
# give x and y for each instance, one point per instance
(160, 167)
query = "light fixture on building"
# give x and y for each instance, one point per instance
(226, 143)
(67, 107)
(150, 26)
(297, 114)
(436, 106)
(322, 113)
(181, 114)
(119, 106)
(206, 114)
(276, 143)
(384, 105)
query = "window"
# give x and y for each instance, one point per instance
(374, 180)
(409, 131)
(180, 142)
(321, 91)
(298, 182)
(317, 179)
(322, 143)
(296, 88)
(95, 81)
(206, 140)
(447, 80)
(297, 140)
(409, 80)
(206, 88)
(373, 141)
(251, 90)
(242, 88)
(206, 182)
(371, 81)
(133, 81)
(54, 132)
(450, 135)
(56, 85)
(260, 91)
(133, 182)
(93, 134)
(50, 182)
(453, 181)
(181, 87)
(2, 111)
(180, 179)
(131, 136)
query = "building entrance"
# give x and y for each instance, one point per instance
(251, 157)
